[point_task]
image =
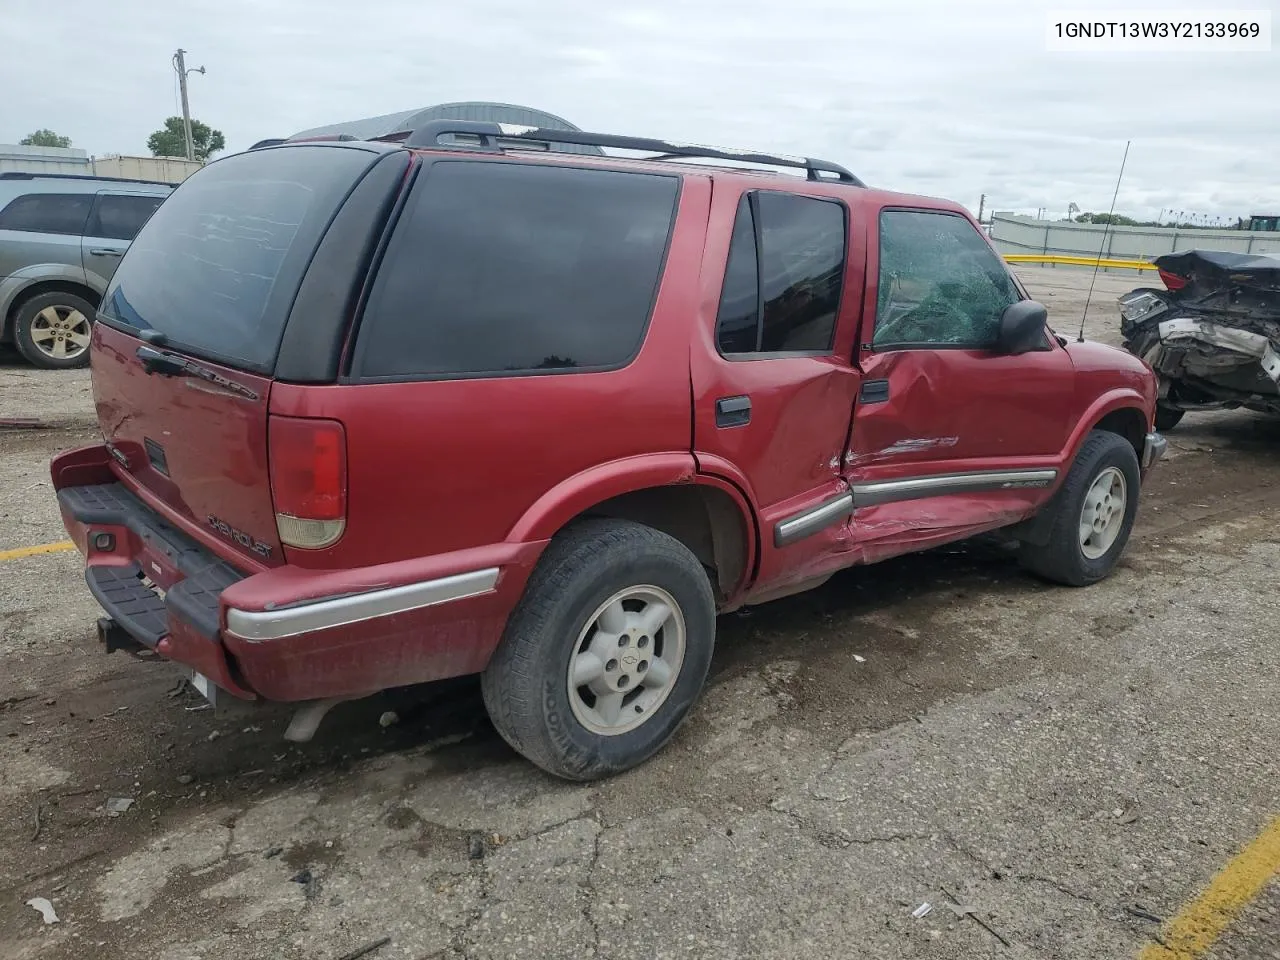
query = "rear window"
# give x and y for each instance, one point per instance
(218, 265)
(506, 268)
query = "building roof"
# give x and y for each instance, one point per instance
(371, 127)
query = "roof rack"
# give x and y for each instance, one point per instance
(26, 175)
(492, 136)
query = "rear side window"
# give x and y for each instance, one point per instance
(120, 217)
(784, 275)
(503, 268)
(217, 266)
(64, 213)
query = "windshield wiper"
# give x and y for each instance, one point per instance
(173, 365)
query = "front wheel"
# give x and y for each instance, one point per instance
(606, 652)
(1094, 514)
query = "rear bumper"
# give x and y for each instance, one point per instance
(288, 633)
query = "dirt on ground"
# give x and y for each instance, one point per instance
(1053, 772)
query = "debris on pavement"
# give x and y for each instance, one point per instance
(962, 911)
(45, 908)
(858, 659)
(22, 423)
(475, 847)
(273, 853)
(366, 949)
(922, 911)
(1141, 914)
(118, 805)
(35, 834)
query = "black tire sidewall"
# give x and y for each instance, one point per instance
(577, 752)
(22, 328)
(1114, 452)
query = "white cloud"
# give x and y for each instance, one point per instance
(933, 96)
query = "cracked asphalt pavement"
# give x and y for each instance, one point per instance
(1055, 772)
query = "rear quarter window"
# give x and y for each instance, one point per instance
(218, 264)
(62, 213)
(505, 268)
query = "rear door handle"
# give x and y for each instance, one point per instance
(104, 252)
(733, 411)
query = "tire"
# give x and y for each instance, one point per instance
(1067, 558)
(562, 619)
(46, 325)
(1168, 417)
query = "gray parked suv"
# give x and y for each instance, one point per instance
(61, 237)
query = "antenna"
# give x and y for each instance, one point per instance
(1103, 244)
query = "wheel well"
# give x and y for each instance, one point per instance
(1128, 423)
(47, 286)
(706, 520)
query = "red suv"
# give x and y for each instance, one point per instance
(378, 413)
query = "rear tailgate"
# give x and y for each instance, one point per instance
(190, 329)
(198, 445)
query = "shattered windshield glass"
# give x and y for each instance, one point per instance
(939, 282)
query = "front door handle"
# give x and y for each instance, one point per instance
(104, 252)
(874, 391)
(733, 411)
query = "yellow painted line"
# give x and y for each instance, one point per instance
(1199, 924)
(1113, 262)
(21, 552)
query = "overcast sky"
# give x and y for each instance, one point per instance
(945, 97)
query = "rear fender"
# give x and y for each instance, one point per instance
(584, 490)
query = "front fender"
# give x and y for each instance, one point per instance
(1119, 398)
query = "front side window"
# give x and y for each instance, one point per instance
(63, 213)
(940, 283)
(502, 268)
(120, 216)
(784, 275)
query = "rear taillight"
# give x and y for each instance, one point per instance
(308, 480)
(1171, 280)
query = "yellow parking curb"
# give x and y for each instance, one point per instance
(1199, 924)
(21, 552)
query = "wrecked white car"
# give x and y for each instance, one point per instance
(1212, 336)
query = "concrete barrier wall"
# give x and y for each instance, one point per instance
(1017, 234)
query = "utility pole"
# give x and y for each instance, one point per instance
(180, 64)
(982, 205)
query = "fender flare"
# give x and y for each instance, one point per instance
(1120, 398)
(584, 490)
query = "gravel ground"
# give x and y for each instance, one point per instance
(1069, 764)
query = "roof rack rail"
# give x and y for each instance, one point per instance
(491, 137)
(28, 175)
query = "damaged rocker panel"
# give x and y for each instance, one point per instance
(808, 522)
(916, 488)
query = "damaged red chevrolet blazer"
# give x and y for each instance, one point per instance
(380, 413)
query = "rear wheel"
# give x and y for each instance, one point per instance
(1094, 514)
(52, 330)
(606, 652)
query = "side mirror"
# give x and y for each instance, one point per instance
(1022, 327)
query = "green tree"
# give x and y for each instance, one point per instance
(170, 141)
(45, 138)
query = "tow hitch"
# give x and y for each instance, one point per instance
(114, 637)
